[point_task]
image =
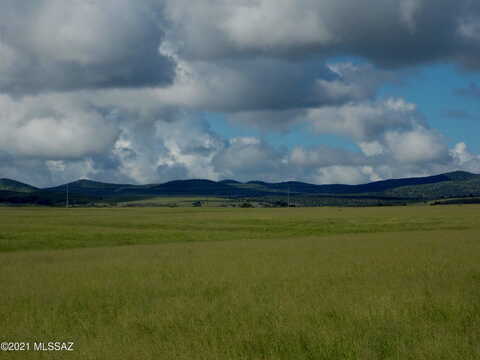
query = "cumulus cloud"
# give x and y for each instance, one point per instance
(348, 84)
(463, 157)
(53, 127)
(389, 33)
(392, 128)
(416, 146)
(114, 89)
(269, 84)
(345, 175)
(57, 45)
(365, 121)
(154, 152)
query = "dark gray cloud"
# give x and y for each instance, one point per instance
(387, 32)
(56, 45)
(263, 84)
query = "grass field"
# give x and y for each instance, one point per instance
(206, 283)
(179, 201)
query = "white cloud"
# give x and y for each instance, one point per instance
(112, 89)
(464, 158)
(365, 121)
(344, 175)
(52, 127)
(262, 25)
(372, 148)
(416, 146)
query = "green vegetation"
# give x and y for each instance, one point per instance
(42, 228)
(447, 189)
(231, 283)
(393, 192)
(16, 186)
(470, 200)
(180, 201)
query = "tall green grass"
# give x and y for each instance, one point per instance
(351, 292)
(34, 229)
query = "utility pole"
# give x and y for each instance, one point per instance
(66, 205)
(288, 195)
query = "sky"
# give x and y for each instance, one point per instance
(321, 91)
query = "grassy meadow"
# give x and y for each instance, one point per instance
(230, 283)
(180, 201)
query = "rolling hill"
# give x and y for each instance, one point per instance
(449, 185)
(91, 188)
(16, 186)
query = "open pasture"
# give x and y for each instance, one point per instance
(206, 283)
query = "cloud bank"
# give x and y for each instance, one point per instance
(117, 90)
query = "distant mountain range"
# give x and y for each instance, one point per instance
(449, 185)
